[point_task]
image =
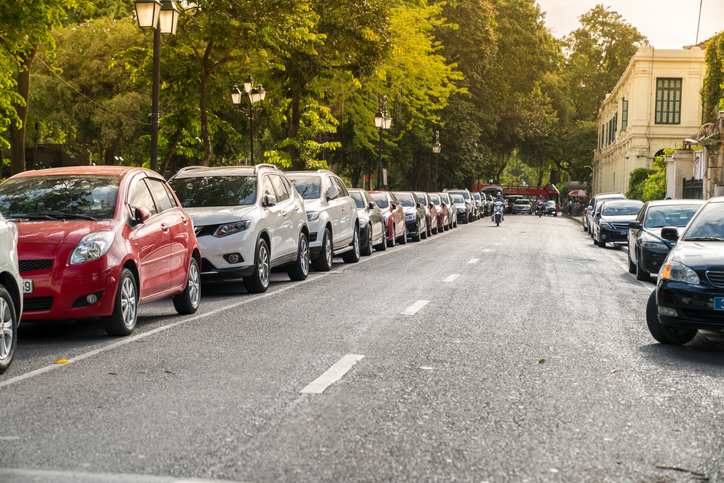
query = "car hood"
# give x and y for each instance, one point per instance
(410, 211)
(314, 205)
(58, 232)
(217, 215)
(699, 255)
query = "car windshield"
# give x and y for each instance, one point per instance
(358, 199)
(380, 199)
(308, 188)
(679, 216)
(621, 209)
(708, 224)
(421, 197)
(550, 203)
(206, 191)
(457, 199)
(522, 202)
(406, 200)
(476, 196)
(51, 197)
(435, 199)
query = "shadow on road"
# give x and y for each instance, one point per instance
(705, 353)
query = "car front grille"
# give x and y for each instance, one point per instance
(37, 304)
(716, 278)
(33, 265)
(205, 230)
(707, 315)
(620, 226)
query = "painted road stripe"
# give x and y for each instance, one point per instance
(452, 277)
(332, 375)
(473, 260)
(12, 474)
(414, 308)
(487, 250)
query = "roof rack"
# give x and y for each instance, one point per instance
(324, 171)
(264, 165)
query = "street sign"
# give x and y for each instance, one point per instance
(384, 176)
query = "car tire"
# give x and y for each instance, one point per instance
(258, 282)
(299, 270)
(663, 333)
(367, 249)
(393, 239)
(641, 274)
(353, 255)
(125, 311)
(418, 235)
(187, 302)
(383, 244)
(323, 263)
(8, 329)
(403, 238)
(631, 265)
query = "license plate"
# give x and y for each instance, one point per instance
(27, 286)
(718, 303)
(624, 232)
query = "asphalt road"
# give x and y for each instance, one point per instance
(530, 362)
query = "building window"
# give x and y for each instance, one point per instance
(615, 125)
(668, 101)
(624, 114)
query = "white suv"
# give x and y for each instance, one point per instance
(11, 287)
(248, 220)
(332, 217)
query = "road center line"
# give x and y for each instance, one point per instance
(332, 375)
(414, 308)
(452, 277)
(473, 260)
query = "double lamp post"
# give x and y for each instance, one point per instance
(382, 121)
(256, 94)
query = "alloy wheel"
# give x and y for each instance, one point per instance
(128, 302)
(194, 285)
(304, 255)
(328, 251)
(263, 266)
(6, 329)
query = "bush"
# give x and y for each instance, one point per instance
(636, 183)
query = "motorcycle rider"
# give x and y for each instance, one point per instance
(539, 204)
(498, 201)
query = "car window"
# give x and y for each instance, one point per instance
(435, 199)
(281, 190)
(206, 191)
(358, 200)
(308, 188)
(380, 199)
(288, 185)
(456, 198)
(679, 216)
(170, 196)
(340, 186)
(267, 188)
(156, 185)
(708, 223)
(141, 197)
(326, 184)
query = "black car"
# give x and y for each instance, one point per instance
(590, 211)
(646, 249)
(610, 223)
(415, 214)
(689, 295)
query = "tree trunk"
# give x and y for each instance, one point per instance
(171, 151)
(17, 133)
(208, 154)
(292, 133)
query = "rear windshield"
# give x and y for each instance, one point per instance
(660, 216)
(309, 188)
(709, 223)
(621, 209)
(406, 200)
(380, 199)
(358, 199)
(208, 191)
(52, 197)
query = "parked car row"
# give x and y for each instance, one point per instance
(682, 242)
(97, 242)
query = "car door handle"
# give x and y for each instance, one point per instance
(184, 220)
(284, 213)
(164, 227)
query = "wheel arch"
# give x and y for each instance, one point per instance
(11, 285)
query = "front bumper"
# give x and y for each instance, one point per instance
(215, 251)
(652, 259)
(694, 305)
(613, 236)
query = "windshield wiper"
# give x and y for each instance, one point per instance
(54, 216)
(21, 216)
(704, 238)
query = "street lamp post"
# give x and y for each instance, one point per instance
(382, 121)
(162, 18)
(436, 150)
(256, 94)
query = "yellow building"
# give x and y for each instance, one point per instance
(654, 105)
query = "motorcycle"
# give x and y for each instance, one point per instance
(539, 209)
(498, 213)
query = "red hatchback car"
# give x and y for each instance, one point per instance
(395, 221)
(99, 241)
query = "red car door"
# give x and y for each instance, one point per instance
(150, 241)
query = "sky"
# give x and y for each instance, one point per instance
(668, 24)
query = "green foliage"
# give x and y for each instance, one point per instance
(712, 91)
(655, 185)
(637, 181)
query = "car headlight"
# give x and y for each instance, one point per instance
(312, 215)
(410, 217)
(607, 226)
(230, 228)
(655, 245)
(678, 272)
(92, 246)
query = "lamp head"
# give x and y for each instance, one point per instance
(168, 20)
(147, 13)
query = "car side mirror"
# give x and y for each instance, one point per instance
(634, 225)
(270, 200)
(393, 206)
(589, 208)
(418, 205)
(371, 205)
(432, 206)
(670, 233)
(332, 192)
(141, 214)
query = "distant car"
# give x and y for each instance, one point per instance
(331, 216)
(479, 204)
(431, 213)
(415, 214)
(248, 220)
(510, 202)
(550, 208)
(689, 294)
(11, 289)
(590, 211)
(521, 206)
(469, 204)
(460, 207)
(442, 213)
(97, 241)
(646, 249)
(451, 210)
(395, 222)
(372, 222)
(610, 225)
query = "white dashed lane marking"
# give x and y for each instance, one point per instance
(473, 260)
(414, 308)
(332, 375)
(452, 278)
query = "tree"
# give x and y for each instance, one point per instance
(712, 92)
(23, 31)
